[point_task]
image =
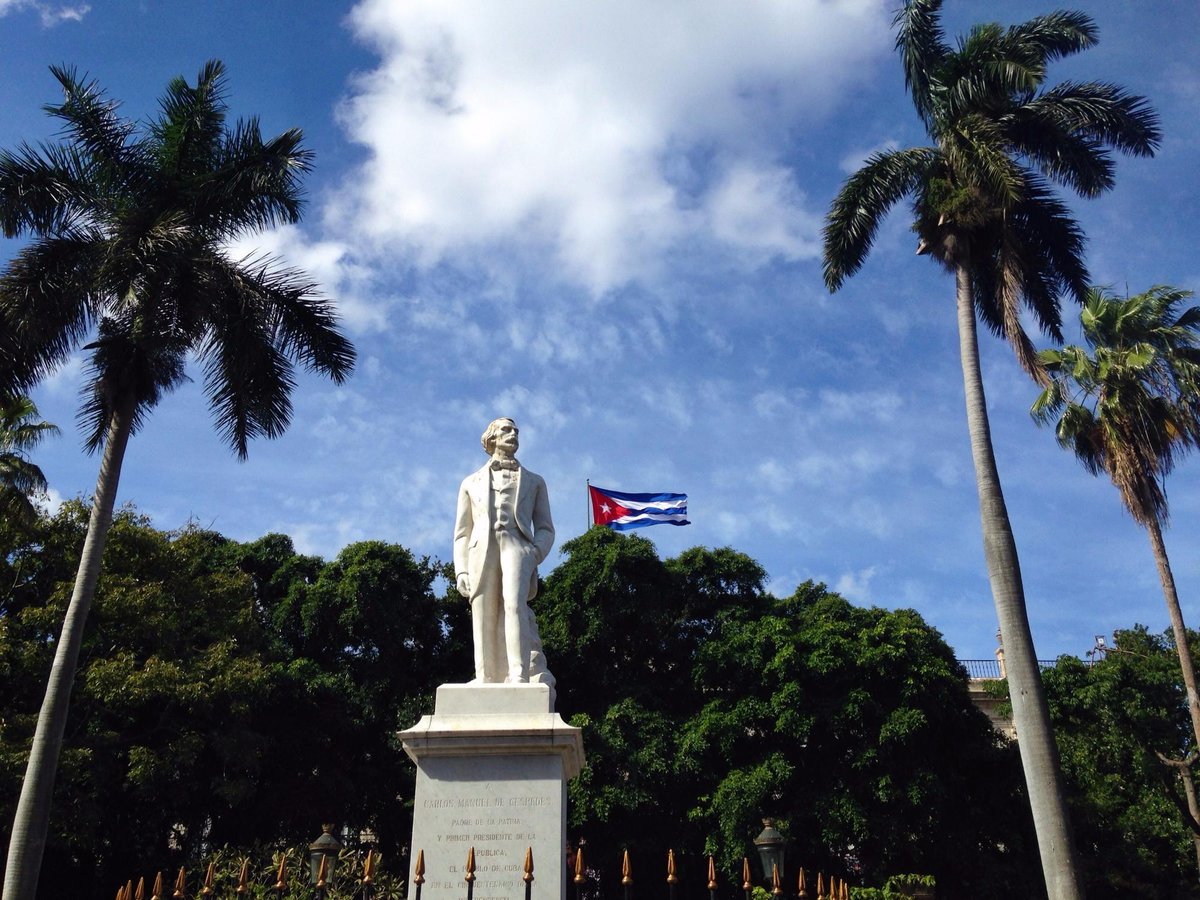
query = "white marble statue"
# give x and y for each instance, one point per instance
(502, 533)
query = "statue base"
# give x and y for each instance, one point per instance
(492, 768)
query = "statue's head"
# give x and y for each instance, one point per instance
(500, 429)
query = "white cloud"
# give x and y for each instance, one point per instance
(856, 586)
(50, 13)
(569, 128)
(760, 210)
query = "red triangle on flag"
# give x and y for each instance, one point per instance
(604, 508)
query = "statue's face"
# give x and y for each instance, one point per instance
(506, 442)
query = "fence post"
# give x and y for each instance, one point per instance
(470, 876)
(243, 885)
(281, 876)
(528, 876)
(419, 873)
(580, 878)
(368, 879)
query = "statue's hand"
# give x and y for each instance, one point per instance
(464, 584)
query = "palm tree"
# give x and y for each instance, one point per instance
(20, 431)
(984, 209)
(129, 227)
(1129, 409)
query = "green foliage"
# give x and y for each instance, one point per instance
(707, 703)
(1127, 808)
(227, 692)
(20, 480)
(1128, 404)
(898, 887)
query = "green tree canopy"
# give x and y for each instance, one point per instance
(1112, 719)
(707, 703)
(229, 693)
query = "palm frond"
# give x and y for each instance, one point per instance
(1055, 244)
(20, 428)
(1103, 113)
(90, 121)
(127, 364)
(985, 73)
(1076, 160)
(20, 480)
(866, 197)
(304, 322)
(1054, 35)
(922, 49)
(247, 378)
(255, 184)
(191, 126)
(976, 151)
(1011, 263)
(48, 302)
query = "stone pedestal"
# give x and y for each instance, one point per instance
(492, 767)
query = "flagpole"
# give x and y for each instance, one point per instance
(588, 481)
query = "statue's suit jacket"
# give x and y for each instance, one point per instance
(473, 525)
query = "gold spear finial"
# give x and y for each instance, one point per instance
(156, 891)
(322, 871)
(528, 876)
(820, 886)
(209, 877)
(129, 889)
(747, 884)
(369, 867)
(801, 887)
(712, 874)
(243, 884)
(141, 889)
(579, 876)
(180, 884)
(281, 875)
(776, 887)
(626, 870)
(470, 866)
(419, 871)
(672, 878)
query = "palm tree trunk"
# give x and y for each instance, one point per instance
(32, 820)
(1186, 664)
(1031, 715)
(1177, 627)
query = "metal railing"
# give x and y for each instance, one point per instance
(989, 669)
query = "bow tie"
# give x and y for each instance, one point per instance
(511, 464)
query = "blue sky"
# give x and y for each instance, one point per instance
(603, 219)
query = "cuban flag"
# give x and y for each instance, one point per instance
(622, 511)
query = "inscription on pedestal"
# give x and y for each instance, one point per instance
(501, 818)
